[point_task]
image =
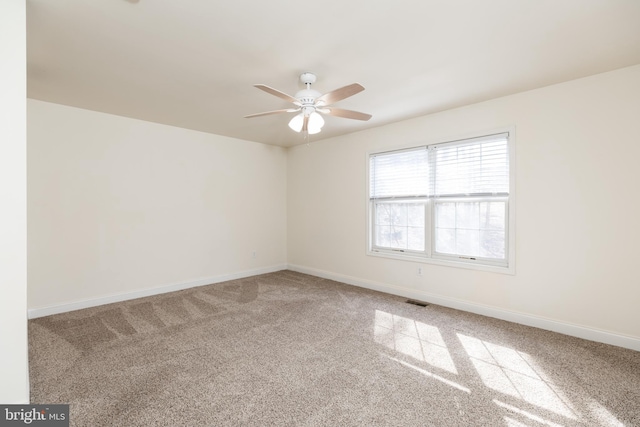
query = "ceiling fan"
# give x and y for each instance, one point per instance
(309, 103)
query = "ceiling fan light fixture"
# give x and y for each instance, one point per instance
(315, 123)
(296, 122)
(313, 126)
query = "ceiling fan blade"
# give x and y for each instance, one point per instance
(277, 93)
(339, 94)
(267, 113)
(305, 124)
(347, 114)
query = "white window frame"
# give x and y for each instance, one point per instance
(428, 256)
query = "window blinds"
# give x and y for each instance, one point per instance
(399, 174)
(471, 167)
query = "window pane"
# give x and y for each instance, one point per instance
(467, 242)
(415, 215)
(492, 215)
(383, 215)
(391, 214)
(492, 244)
(415, 238)
(446, 240)
(400, 225)
(383, 233)
(467, 215)
(398, 237)
(473, 229)
(446, 215)
(399, 214)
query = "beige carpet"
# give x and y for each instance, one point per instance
(291, 349)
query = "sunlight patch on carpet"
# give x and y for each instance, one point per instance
(412, 338)
(506, 371)
(605, 417)
(429, 374)
(525, 414)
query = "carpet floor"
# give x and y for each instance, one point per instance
(291, 349)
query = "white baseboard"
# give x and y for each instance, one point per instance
(578, 331)
(33, 313)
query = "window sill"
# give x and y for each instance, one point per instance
(510, 270)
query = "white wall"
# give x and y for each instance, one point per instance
(14, 386)
(577, 231)
(119, 206)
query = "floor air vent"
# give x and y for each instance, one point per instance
(416, 302)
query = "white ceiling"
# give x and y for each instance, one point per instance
(192, 63)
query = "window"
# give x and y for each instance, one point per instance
(446, 202)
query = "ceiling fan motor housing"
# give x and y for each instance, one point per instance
(307, 96)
